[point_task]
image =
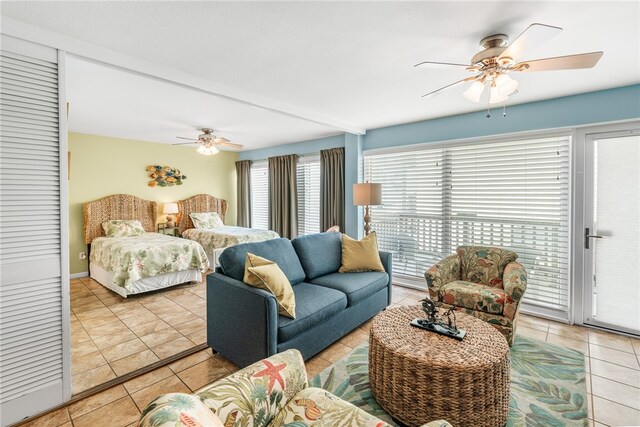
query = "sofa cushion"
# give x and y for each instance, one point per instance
(314, 304)
(319, 253)
(317, 407)
(474, 296)
(279, 251)
(356, 286)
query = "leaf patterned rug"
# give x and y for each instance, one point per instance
(548, 386)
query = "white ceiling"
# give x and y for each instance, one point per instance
(352, 61)
(113, 102)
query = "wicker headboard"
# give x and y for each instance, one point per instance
(196, 204)
(118, 206)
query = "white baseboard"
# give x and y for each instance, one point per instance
(79, 275)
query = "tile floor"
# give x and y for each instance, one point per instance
(612, 363)
(112, 336)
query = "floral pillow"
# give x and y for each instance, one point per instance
(123, 228)
(206, 220)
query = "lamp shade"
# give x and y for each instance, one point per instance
(170, 208)
(367, 194)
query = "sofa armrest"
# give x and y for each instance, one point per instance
(442, 273)
(514, 281)
(256, 394)
(387, 262)
(242, 321)
(178, 410)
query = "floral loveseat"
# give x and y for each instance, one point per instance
(485, 282)
(271, 392)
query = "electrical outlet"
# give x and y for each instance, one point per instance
(82, 255)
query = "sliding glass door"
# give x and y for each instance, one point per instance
(612, 231)
(510, 193)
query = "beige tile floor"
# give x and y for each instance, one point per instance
(112, 336)
(612, 364)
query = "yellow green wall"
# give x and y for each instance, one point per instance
(101, 166)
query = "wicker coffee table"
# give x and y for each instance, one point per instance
(419, 376)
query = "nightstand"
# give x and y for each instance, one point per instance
(173, 231)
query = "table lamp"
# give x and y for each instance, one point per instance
(170, 209)
(367, 194)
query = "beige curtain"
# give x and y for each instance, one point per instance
(283, 195)
(243, 179)
(332, 188)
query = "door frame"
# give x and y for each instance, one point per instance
(582, 214)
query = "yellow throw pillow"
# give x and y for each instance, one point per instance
(264, 274)
(360, 255)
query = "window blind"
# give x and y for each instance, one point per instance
(513, 194)
(260, 195)
(308, 176)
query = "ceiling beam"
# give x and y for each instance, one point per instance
(127, 62)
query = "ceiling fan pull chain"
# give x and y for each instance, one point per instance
(504, 111)
(488, 112)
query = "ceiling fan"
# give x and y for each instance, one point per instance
(209, 142)
(496, 60)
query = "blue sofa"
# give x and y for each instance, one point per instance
(243, 323)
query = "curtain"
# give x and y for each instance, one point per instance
(243, 177)
(283, 195)
(332, 188)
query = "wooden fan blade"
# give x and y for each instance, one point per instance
(185, 143)
(432, 64)
(231, 145)
(534, 35)
(569, 62)
(182, 137)
(220, 140)
(442, 89)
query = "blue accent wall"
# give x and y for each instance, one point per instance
(569, 111)
(622, 103)
(312, 146)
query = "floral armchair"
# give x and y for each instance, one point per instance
(272, 392)
(485, 282)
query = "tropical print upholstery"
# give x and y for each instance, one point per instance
(485, 282)
(271, 393)
(178, 410)
(123, 228)
(474, 296)
(483, 264)
(206, 220)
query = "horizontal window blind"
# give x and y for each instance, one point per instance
(260, 195)
(308, 176)
(513, 194)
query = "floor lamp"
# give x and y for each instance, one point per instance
(367, 194)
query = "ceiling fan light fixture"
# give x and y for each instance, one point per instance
(207, 150)
(495, 96)
(475, 91)
(506, 85)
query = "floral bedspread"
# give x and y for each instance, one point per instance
(151, 254)
(221, 237)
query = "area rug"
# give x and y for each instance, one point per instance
(547, 384)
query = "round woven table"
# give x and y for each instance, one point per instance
(419, 376)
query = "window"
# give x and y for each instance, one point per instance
(260, 195)
(513, 194)
(308, 172)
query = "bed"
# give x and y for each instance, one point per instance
(143, 263)
(215, 240)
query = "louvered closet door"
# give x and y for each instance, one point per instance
(32, 278)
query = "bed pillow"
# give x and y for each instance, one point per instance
(264, 274)
(123, 228)
(360, 255)
(206, 220)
